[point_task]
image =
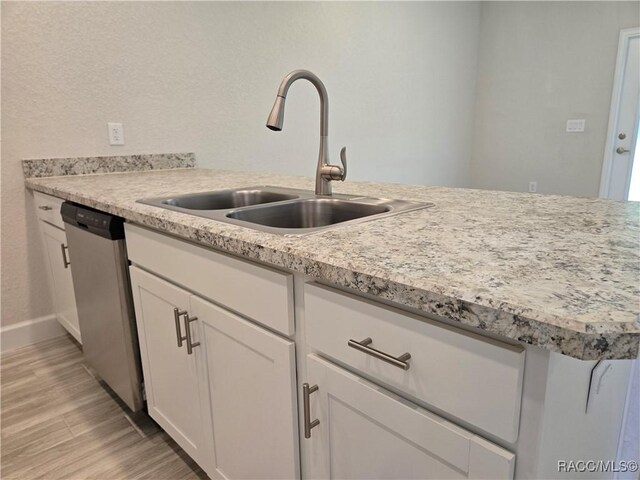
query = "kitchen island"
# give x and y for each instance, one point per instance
(558, 272)
(547, 276)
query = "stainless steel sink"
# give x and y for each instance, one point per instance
(307, 213)
(284, 211)
(226, 199)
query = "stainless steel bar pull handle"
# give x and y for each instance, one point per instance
(308, 424)
(65, 261)
(187, 329)
(177, 313)
(45, 207)
(363, 346)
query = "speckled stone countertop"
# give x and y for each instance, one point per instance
(55, 167)
(562, 273)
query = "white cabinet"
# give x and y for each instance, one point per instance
(367, 432)
(48, 209)
(476, 379)
(58, 262)
(230, 403)
(175, 381)
(252, 385)
(263, 294)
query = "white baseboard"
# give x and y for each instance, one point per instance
(29, 332)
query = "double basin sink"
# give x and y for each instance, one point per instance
(283, 211)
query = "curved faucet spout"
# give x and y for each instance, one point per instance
(322, 91)
(325, 172)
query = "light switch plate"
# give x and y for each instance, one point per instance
(116, 133)
(576, 125)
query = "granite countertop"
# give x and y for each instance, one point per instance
(559, 272)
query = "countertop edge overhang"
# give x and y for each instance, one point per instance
(612, 340)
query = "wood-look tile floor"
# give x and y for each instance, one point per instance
(59, 422)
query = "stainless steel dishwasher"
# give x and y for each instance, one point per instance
(99, 268)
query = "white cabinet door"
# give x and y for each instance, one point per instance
(175, 382)
(64, 300)
(485, 389)
(367, 432)
(252, 384)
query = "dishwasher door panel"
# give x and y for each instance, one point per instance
(105, 311)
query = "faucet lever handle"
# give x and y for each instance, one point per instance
(343, 159)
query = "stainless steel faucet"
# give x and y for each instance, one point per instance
(325, 172)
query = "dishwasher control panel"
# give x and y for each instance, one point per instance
(99, 223)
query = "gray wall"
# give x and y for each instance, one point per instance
(202, 76)
(540, 64)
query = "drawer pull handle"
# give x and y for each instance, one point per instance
(187, 329)
(363, 346)
(45, 207)
(177, 313)
(308, 424)
(65, 261)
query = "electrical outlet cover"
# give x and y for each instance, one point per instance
(575, 126)
(116, 133)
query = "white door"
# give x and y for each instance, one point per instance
(252, 384)
(175, 382)
(55, 243)
(620, 173)
(367, 432)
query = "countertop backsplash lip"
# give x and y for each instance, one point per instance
(63, 166)
(557, 272)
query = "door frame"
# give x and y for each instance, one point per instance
(621, 62)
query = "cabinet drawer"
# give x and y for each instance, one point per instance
(476, 379)
(260, 293)
(48, 208)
